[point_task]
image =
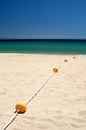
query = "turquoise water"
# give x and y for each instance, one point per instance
(43, 46)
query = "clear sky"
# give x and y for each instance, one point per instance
(42, 18)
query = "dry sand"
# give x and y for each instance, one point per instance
(60, 105)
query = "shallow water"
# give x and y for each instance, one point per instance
(44, 46)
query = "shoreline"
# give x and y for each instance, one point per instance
(62, 54)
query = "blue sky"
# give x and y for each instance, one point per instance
(42, 18)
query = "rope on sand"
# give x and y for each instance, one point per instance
(21, 106)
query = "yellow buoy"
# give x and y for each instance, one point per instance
(55, 70)
(21, 106)
(74, 57)
(65, 60)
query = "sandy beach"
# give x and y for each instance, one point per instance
(60, 105)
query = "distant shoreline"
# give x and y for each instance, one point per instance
(42, 40)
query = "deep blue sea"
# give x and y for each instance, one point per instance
(43, 46)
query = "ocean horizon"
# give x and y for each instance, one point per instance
(43, 46)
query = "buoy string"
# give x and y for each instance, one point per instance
(64, 63)
(30, 99)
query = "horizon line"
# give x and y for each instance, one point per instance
(43, 39)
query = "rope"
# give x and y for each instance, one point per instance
(28, 101)
(11, 120)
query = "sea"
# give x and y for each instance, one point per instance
(43, 46)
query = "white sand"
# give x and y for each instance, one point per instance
(60, 105)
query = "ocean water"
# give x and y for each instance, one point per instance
(43, 46)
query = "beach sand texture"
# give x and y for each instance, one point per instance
(60, 105)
